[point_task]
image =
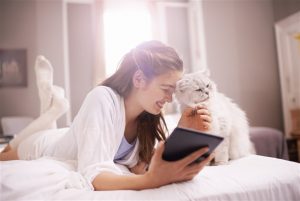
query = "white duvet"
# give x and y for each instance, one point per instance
(250, 178)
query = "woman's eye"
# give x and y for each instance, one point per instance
(168, 91)
(165, 90)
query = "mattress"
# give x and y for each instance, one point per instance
(249, 178)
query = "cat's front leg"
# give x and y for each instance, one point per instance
(222, 153)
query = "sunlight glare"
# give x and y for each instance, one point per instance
(123, 30)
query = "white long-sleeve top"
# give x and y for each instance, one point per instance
(96, 134)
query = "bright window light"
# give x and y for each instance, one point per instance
(123, 30)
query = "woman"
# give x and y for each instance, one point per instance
(118, 124)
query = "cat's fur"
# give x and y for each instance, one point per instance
(228, 120)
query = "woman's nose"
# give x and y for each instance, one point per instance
(169, 97)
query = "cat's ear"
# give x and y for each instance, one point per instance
(205, 72)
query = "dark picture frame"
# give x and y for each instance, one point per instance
(13, 68)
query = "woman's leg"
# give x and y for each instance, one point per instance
(44, 81)
(58, 107)
(53, 104)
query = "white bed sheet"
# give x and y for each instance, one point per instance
(250, 178)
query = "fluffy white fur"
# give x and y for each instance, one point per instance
(228, 120)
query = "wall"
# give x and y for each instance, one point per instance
(240, 48)
(18, 30)
(241, 55)
(284, 8)
(80, 53)
(36, 26)
(50, 41)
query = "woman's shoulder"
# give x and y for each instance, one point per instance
(102, 89)
(104, 92)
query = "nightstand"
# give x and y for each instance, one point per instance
(294, 147)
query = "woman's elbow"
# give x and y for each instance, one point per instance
(103, 182)
(98, 184)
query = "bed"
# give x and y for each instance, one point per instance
(250, 178)
(267, 176)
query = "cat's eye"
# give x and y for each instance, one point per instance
(199, 90)
(208, 85)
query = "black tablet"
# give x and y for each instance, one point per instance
(183, 142)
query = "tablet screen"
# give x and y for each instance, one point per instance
(183, 142)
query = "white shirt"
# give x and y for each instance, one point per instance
(96, 134)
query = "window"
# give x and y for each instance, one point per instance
(125, 27)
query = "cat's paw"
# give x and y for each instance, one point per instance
(216, 163)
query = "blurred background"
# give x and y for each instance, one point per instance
(85, 39)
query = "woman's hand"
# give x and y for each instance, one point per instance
(163, 172)
(196, 118)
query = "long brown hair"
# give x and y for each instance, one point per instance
(153, 58)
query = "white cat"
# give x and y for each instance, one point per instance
(228, 120)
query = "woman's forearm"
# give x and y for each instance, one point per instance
(111, 181)
(160, 173)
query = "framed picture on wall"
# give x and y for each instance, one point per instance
(13, 68)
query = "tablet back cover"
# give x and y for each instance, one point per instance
(183, 142)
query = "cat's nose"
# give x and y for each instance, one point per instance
(207, 93)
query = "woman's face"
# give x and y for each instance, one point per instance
(158, 91)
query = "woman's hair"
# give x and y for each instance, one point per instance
(153, 58)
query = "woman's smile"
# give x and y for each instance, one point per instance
(160, 104)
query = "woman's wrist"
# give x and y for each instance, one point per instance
(148, 180)
(152, 181)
